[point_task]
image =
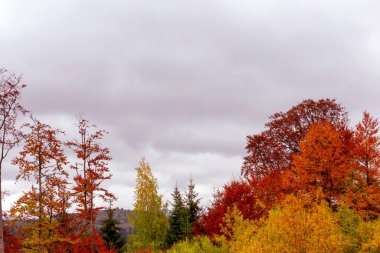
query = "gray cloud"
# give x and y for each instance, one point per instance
(183, 82)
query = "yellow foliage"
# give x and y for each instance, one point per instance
(198, 245)
(372, 245)
(291, 229)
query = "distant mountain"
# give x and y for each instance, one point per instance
(121, 215)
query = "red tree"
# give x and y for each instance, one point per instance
(92, 170)
(273, 149)
(236, 192)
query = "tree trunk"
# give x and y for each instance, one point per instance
(1, 218)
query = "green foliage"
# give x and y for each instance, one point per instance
(111, 233)
(178, 219)
(198, 245)
(353, 227)
(149, 215)
(192, 202)
(372, 240)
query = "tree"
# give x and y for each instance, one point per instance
(273, 149)
(324, 163)
(149, 215)
(199, 244)
(92, 170)
(270, 153)
(178, 219)
(110, 232)
(42, 161)
(236, 192)
(12, 242)
(10, 135)
(192, 203)
(366, 152)
(293, 227)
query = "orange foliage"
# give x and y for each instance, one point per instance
(365, 196)
(42, 162)
(92, 170)
(273, 149)
(324, 162)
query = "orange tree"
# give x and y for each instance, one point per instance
(91, 171)
(41, 161)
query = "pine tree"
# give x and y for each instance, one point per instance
(178, 219)
(149, 215)
(192, 203)
(111, 233)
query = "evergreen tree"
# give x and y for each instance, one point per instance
(178, 219)
(110, 232)
(192, 203)
(149, 215)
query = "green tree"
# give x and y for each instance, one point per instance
(149, 215)
(192, 202)
(178, 219)
(111, 234)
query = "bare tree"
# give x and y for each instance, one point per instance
(10, 135)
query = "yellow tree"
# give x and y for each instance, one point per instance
(293, 228)
(149, 215)
(41, 162)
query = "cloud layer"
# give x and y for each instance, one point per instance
(183, 82)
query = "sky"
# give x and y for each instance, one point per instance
(183, 82)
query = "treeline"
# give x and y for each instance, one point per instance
(309, 183)
(43, 210)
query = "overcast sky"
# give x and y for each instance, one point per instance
(184, 82)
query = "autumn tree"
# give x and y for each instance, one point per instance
(10, 108)
(42, 162)
(149, 215)
(273, 149)
(270, 153)
(235, 192)
(324, 163)
(366, 152)
(292, 227)
(12, 241)
(91, 172)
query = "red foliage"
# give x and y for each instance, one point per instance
(269, 161)
(236, 192)
(273, 149)
(12, 243)
(92, 170)
(91, 243)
